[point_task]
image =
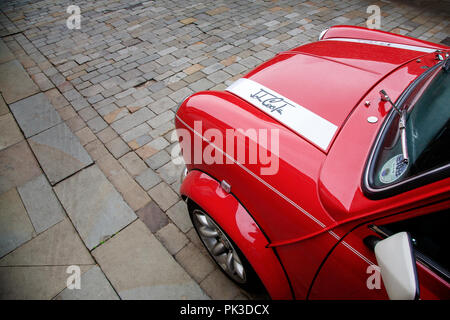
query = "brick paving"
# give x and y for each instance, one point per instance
(85, 172)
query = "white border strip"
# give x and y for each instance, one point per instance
(278, 193)
(384, 44)
(294, 116)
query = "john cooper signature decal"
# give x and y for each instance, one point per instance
(273, 103)
(294, 116)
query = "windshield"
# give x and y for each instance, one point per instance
(427, 133)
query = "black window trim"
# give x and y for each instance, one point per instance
(411, 182)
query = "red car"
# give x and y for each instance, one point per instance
(324, 172)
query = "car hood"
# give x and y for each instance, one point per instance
(321, 83)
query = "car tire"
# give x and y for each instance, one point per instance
(250, 281)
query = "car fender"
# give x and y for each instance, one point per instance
(229, 213)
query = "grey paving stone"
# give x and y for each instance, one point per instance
(163, 104)
(219, 76)
(87, 113)
(235, 69)
(170, 172)
(35, 114)
(195, 262)
(117, 147)
(106, 135)
(202, 84)
(96, 209)
(41, 203)
(180, 216)
(15, 226)
(218, 286)
(42, 81)
(163, 195)
(180, 95)
(158, 160)
(133, 164)
(5, 53)
(59, 245)
(172, 238)
(213, 68)
(135, 251)
(97, 124)
(59, 152)
(15, 84)
(148, 179)
(35, 282)
(9, 131)
(79, 104)
(126, 123)
(3, 107)
(153, 217)
(94, 286)
(17, 166)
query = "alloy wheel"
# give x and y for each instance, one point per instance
(219, 246)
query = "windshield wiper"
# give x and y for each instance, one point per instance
(401, 125)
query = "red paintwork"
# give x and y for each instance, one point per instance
(240, 226)
(318, 190)
(377, 35)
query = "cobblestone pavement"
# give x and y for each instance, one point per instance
(86, 118)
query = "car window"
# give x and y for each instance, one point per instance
(430, 238)
(427, 133)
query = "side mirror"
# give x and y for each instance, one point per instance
(395, 257)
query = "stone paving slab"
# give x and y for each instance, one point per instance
(5, 53)
(59, 152)
(3, 107)
(41, 203)
(15, 84)
(180, 216)
(17, 166)
(15, 226)
(94, 286)
(59, 245)
(96, 209)
(130, 190)
(35, 114)
(9, 131)
(153, 217)
(33, 283)
(139, 267)
(195, 263)
(219, 286)
(163, 195)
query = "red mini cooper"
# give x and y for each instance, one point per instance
(324, 173)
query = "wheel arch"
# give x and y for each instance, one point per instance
(234, 219)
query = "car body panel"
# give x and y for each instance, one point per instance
(353, 32)
(294, 75)
(340, 268)
(239, 225)
(316, 198)
(280, 212)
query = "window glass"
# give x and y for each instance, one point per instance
(427, 133)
